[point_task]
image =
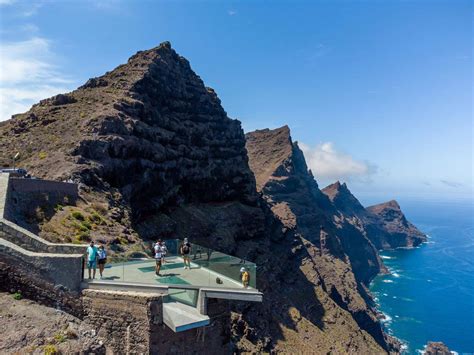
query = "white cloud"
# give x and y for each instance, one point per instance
(232, 12)
(329, 164)
(6, 2)
(451, 183)
(27, 74)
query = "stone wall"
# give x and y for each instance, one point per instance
(132, 323)
(3, 193)
(124, 319)
(29, 241)
(19, 273)
(59, 269)
(30, 199)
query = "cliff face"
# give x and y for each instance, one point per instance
(325, 242)
(397, 231)
(384, 224)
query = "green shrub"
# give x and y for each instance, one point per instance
(78, 215)
(60, 338)
(58, 208)
(86, 224)
(42, 155)
(50, 350)
(97, 218)
(17, 296)
(84, 236)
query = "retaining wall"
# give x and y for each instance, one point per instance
(30, 199)
(29, 241)
(59, 269)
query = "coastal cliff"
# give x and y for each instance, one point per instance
(323, 238)
(384, 224)
(156, 156)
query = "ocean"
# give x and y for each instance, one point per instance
(429, 295)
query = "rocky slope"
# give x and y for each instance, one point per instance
(29, 328)
(384, 224)
(155, 155)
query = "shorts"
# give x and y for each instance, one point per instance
(102, 261)
(91, 264)
(158, 262)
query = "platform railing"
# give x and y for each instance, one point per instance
(209, 268)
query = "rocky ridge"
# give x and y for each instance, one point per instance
(384, 224)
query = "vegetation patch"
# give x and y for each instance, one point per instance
(78, 215)
(51, 350)
(60, 338)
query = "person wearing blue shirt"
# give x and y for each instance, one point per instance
(92, 259)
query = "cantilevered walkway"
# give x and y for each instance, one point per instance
(185, 292)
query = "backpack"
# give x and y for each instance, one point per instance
(186, 248)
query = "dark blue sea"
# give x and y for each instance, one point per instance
(430, 293)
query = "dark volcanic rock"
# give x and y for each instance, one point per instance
(398, 231)
(325, 238)
(149, 130)
(436, 348)
(384, 225)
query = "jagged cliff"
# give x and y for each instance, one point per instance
(384, 224)
(155, 155)
(324, 240)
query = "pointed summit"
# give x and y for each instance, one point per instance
(343, 199)
(147, 128)
(268, 149)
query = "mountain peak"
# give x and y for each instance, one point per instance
(389, 205)
(342, 198)
(268, 149)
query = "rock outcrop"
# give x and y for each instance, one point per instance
(384, 224)
(397, 231)
(436, 348)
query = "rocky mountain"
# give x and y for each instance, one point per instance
(324, 239)
(156, 155)
(141, 139)
(398, 232)
(384, 224)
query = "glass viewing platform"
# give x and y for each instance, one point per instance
(209, 268)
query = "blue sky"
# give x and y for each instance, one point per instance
(379, 93)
